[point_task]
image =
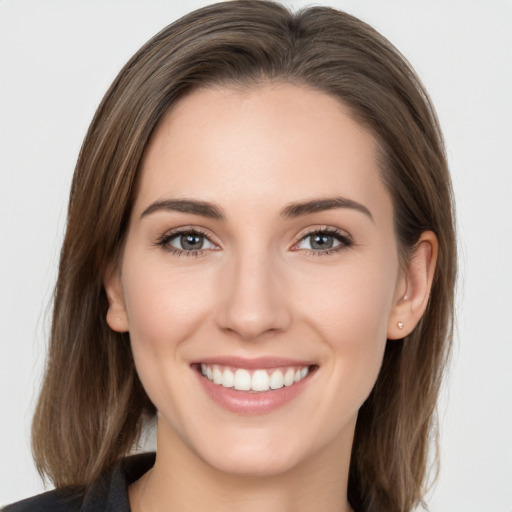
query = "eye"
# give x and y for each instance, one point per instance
(189, 242)
(324, 241)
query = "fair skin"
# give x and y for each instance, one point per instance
(258, 280)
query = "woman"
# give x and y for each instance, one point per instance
(260, 247)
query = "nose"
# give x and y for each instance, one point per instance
(253, 298)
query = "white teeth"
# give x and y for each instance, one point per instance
(260, 381)
(217, 375)
(228, 379)
(288, 377)
(255, 380)
(242, 380)
(276, 380)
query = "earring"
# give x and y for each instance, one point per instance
(400, 325)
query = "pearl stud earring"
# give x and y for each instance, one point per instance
(400, 325)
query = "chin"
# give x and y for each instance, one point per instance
(237, 450)
(253, 461)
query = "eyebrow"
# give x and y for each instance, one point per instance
(319, 205)
(292, 210)
(193, 206)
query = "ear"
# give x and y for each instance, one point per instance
(117, 318)
(413, 290)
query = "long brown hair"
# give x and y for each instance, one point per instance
(92, 405)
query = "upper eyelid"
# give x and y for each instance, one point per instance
(214, 240)
(171, 233)
(303, 233)
(344, 237)
(323, 229)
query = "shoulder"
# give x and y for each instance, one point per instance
(58, 500)
(110, 492)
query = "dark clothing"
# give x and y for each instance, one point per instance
(108, 494)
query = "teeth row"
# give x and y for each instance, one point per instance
(260, 380)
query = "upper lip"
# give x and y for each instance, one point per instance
(253, 363)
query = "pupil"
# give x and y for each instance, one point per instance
(191, 242)
(321, 242)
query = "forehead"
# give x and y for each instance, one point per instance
(271, 144)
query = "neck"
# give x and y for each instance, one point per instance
(180, 480)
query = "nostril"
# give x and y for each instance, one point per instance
(251, 302)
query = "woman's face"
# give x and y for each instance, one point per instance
(261, 252)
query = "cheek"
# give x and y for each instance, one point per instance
(163, 306)
(164, 311)
(351, 317)
(351, 304)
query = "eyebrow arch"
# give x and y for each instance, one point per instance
(318, 205)
(193, 206)
(206, 209)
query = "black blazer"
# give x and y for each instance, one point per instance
(107, 494)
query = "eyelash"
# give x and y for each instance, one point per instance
(164, 240)
(341, 236)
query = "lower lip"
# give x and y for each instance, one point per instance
(250, 404)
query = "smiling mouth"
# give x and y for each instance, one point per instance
(254, 380)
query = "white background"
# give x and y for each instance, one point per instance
(57, 59)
